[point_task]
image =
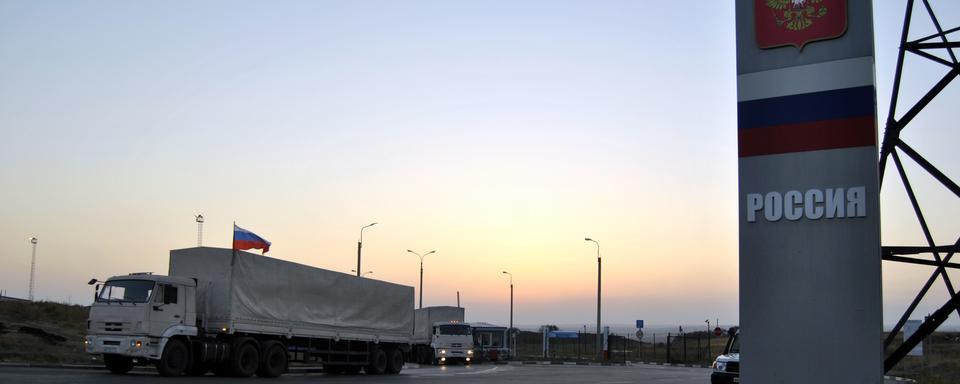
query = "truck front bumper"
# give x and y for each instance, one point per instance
(724, 377)
(133, 346)
(450, 355)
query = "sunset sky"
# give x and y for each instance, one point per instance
(498, 133)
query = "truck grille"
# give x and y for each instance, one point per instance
(111, 326)
(456, 345)
(733, 366)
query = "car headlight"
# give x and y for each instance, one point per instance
(720, 366)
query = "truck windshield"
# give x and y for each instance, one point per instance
(454, 329)
(135, 291)
(735, 345)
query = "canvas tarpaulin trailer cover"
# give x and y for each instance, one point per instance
(252, 293)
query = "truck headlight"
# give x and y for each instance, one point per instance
(443, 351)
(470, 352)
(720, 366)
(136, 343)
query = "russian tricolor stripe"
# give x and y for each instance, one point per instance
(840, 118)
(244, 239)
(820, 106)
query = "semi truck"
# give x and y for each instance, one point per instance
(440, 336)
(238, 314)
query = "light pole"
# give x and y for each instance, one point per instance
(421, 272)
(510, 330)
(33, 265)
(199, 218)
(362, 274)
(360, 246)
(599, 352)
(511, 297)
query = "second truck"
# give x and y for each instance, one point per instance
(441, 337)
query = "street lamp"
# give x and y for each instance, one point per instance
(599, 352)
(421, 272)
(360, 246)
(33, 265)
(362, 274)
(510, 330)
(511, 297)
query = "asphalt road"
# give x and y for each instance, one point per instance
(475, 374)
(535, 374)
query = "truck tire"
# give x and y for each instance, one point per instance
(394, 361)
(378, 362)
(274, 360)
(118, 364)
(245, 359)
(175, 359)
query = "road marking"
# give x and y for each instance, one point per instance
(485, 371)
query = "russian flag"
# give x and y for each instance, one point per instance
(244, 239)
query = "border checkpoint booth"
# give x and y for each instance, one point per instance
(490, 342)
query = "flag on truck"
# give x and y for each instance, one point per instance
(244, 239)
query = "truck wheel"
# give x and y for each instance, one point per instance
(175, 359)
(118, 364)
(394, 361)
(378, 362)
(274, 362)
(245, 359)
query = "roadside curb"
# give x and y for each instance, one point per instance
(896, 378)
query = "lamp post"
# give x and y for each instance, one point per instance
(362, 274)
(33, 265)
(421, 272)
(599, 352)
(511, 297)
(360, 246)
(510, 330)
(199, 218)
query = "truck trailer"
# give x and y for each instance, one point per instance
(239, 314)
(440, 336)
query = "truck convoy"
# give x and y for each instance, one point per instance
(239, 314)
(440, 336)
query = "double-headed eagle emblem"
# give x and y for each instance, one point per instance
(797, 15)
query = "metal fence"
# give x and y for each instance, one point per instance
(684, 348)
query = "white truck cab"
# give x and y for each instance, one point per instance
(134, 316)
(452, 341)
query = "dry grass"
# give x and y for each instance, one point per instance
(64, 326)
(940, 363)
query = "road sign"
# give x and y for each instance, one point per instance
(717, 331)
(564, 334)
(639, 334)
(639, 324)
